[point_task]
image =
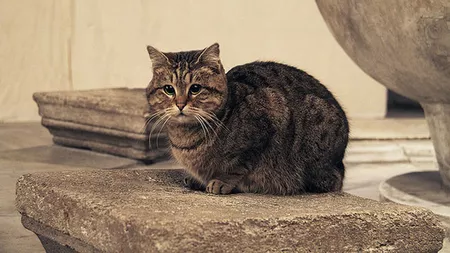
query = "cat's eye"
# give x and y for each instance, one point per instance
(169, 90)
(195, 89)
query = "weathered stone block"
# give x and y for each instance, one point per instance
(104, 120)
(149, 211)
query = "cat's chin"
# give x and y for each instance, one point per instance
(183, 120)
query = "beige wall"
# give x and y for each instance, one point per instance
(86, 44)
(34, 47)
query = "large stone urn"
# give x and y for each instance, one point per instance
(405, 45)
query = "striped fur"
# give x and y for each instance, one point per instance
(263, 127)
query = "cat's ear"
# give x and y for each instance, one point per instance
(210, 55)
(158, 58)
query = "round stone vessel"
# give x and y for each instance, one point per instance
(405, 45)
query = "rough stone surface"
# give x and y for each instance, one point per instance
(407, 50)
(149, 211)
(104, 120)
(421, 189)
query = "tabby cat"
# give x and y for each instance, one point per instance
(262, 127)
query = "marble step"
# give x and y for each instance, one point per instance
(394, 151)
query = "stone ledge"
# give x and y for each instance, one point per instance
(98, 107)
(105, 120)
(149, 211)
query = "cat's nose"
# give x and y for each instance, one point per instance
(181, 106)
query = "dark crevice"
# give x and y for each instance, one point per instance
(399, 106)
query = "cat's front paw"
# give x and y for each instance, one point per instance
(193, 184)
(218, 187)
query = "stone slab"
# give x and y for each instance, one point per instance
(104, 120)
(97, 107)
(131, 145)
(149, 211)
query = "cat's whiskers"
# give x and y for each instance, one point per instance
(204, 121)
(165, 115)
(202, 125)
(149, 118)
(153, 128)
(212, 117)
(207, 124)
(159, 133)
(142, 130)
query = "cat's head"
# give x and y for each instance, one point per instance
(187, 86)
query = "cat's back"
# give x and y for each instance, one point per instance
(276, 75)
(294, 84)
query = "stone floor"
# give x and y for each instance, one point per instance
(27, 148)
